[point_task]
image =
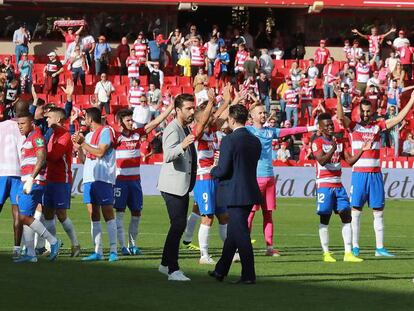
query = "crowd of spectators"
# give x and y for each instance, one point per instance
(293, 91)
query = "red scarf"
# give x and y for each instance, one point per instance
(96, 136)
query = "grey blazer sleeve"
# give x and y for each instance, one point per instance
(172, 145)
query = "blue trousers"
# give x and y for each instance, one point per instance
(292, 112)
(19, 50)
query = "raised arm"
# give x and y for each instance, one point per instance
(340, 111)
(79, 30)
(201, 125)
(393, 29)
(390, 123)
(355, 31)
(294, 130)
(154, 123)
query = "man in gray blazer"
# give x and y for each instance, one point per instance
(176, 181)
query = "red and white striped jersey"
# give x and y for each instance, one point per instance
(128, 155)
(370, 160)
(241, 57)
(354, 55)
(330, 72)
(206, 146)
(347, 50)
(132, 63)
(291, 98)
(141, 50)
(329, 175)
(374, 43)
(306, 94)
(321, 56)
(135, 93)
(197, 56)
(362, 72)
(32, 144)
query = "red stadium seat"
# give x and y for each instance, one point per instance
(303, 63)
(90, 79)
(122, 100)
(82, 100)
(279, 63)
(188, 89)
(55, 99)
(184, 81)
(143, 79)
(283, 72)
(120, 90)
(330, 103)
(175, 90)
(289, 62)
(170, 81)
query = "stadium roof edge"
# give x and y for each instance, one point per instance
(328, 4)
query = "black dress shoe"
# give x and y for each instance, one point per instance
(215, 275)
(245, 282)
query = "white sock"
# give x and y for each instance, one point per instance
(324, 237)
(223, 232)
(120, 228)
(379, 228)
(347, 237)
(50, 226)
(39, 242)
(203, 236)
(96, 231)
(356, 224)
(29, 240)
(70, 231)
(16, 249)
(191, 224)
(40, 229)
(133, 230)
(111, 228)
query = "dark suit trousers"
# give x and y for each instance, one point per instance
(238, 237)
(177, 207)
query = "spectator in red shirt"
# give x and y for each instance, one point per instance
(406, 59)
(70, 35)
(321, 56)
(145, 149)
(375, 41)
(122, 53)
(305, 151)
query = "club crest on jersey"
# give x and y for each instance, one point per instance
(39, 142)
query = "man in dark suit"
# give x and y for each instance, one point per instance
(238, 191)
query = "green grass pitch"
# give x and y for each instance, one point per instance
(298, 280)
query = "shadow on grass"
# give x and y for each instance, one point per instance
(70, 284)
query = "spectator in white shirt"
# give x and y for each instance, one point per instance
(283, 154)
(266, 63)
(202, 95)
(312, 72)
(408, 146)
(400, 40)
(21, 39)
(103, 91)
(142, 113)
(212, 49)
